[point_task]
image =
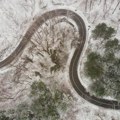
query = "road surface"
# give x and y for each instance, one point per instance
(75, 59)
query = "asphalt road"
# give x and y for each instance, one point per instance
(75, 59)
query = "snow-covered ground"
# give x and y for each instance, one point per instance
(15, 18)
(102, 11)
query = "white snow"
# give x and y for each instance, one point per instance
(15, 18)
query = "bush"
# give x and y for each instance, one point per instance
(108, 57)
(99, 31)
(109, 33)
(36, 87)
(111, 44)
(3, 116)
(105, 69)
(22, 112)
(93, 66)
(106, 73)
(45, 104)
(103, 31)
(98, 88)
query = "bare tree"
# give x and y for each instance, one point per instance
(99, 2)
(109, 8)
(104, 5)
(86, 3)
(91, 2)
(116, 7)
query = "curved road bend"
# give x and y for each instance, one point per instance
(75, 60)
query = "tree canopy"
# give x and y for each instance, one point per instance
(103, 31)
(45, 105)
(104, 70)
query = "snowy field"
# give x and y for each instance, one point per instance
(15, 18)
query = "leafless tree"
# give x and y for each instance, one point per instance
(104, 5)
(20, 68)
(91, 2)
(86, 4)
(116, 7)
(99, 2)
(109, 8)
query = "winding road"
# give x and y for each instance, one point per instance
(75, 59)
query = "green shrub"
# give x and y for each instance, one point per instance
(98, 88)
(111, 44)
(93, 66)
(3, 116)
(103, 31)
